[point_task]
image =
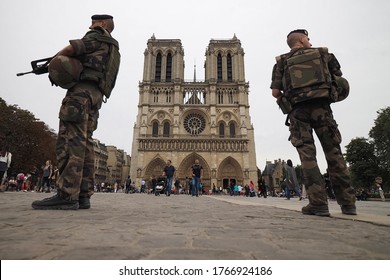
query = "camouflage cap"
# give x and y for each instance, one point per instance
(101, 17)
(302, 31)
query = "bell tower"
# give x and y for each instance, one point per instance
(186, 120)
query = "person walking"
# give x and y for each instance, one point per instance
(127, 184)
(5, 162)
(177, 186)
(20, 181)
(98, 54)
(292, 181)
(169, 172)
(378, 184)
(196, 177)
(328, 186)
(47, 173)
(305, 81)
(264, 188)
(154, 183)
(188, 186)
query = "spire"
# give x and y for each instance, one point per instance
(194, 71)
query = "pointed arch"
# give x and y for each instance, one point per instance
(219, 67)
(155, 128)
(185, 168)
(166, 129)
(232, 129)
(154, 168)
(168, 70)
(157, 75)
(229, 66)
(221, 130)
(229, 170)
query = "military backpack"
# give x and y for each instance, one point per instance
(107, 79)
(304, 68)
(307, 69)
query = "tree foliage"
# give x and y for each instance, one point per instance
(30, 141)
(363, 162)
(380, 134)
(370, 158)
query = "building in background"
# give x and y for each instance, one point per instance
(115, 163)
(273, 175)
(111, 164)
(126, 167)
(101, 156)
(187, 120)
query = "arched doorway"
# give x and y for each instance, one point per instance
(229, 172)
(154, 169)
(185, 169)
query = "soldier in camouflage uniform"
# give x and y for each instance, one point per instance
(78, 116)
(305, 78)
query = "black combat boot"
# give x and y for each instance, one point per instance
(318, 210)
(59, 201)
(84, 203)
(348, 209)
(318, 201)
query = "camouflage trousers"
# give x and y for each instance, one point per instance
(318, 116)
(78, 116)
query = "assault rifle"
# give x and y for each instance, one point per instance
(39, 66)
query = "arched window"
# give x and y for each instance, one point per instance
(155, 129)
(229, 67)
(219, 67)
(158, 68)
(221, 130)
(168, 76)
(232, 130)
(166, 129)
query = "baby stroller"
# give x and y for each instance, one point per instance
(160, 186)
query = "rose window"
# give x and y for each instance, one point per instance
(194, 123)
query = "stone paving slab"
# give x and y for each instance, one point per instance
(376, 212)
(146, 227)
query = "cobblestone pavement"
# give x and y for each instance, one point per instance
(144, 227)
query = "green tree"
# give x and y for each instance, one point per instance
(380, 134)
(360, 154)
(30, 141)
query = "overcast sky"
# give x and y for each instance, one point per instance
(357, 32)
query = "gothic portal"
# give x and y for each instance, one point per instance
(185, 120)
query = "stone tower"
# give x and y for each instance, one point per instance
(185, 120)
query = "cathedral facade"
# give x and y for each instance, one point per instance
(185, 120)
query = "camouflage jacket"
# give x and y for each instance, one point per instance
(92, 54)
(305, 73)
